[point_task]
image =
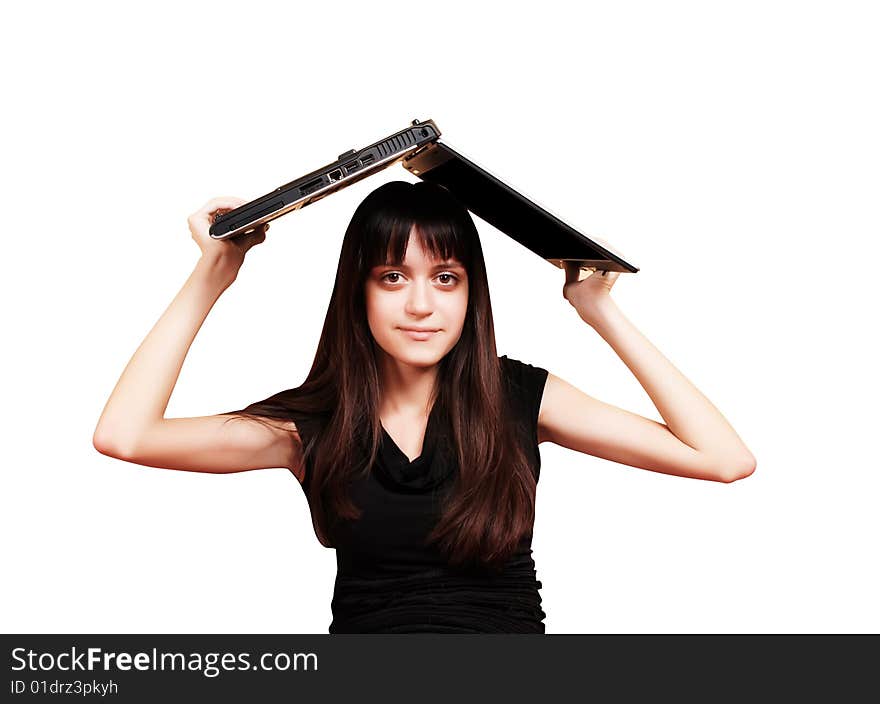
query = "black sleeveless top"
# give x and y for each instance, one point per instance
(389, 581)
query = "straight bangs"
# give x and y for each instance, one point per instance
(442, 225)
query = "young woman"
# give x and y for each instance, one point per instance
(416, 445)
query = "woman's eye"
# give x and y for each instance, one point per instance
(446, 278)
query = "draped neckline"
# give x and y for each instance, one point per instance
(427, 471)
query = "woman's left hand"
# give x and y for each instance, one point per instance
(588, 295)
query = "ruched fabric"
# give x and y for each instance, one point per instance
(438, 602)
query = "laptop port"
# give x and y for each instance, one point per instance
(367, 160)
(352, 166)
(335, 175)
(314, 185)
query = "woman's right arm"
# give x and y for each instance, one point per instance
(133, 426)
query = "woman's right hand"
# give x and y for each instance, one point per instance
(229, 252)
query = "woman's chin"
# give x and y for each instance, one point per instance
(418, 357)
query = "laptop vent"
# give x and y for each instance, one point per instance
(395, 144)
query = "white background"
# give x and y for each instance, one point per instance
(730, 150)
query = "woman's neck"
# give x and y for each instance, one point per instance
(406, 390)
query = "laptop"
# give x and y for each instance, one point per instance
(419, 149)
(520, 218)
(348, 168)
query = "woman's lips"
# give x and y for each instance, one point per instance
(421, 336)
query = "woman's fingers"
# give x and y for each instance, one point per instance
(218, 212)
(255, 236)
(572, 272)
(230, 202)
(572, 275)
(215, 207)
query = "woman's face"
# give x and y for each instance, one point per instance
(421, 294)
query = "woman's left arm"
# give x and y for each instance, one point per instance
(697, 441)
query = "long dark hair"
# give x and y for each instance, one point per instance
(491, 505)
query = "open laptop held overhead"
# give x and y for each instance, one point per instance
(420, 151)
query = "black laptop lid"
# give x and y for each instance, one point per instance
(511, 212)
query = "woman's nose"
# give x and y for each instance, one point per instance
(419, 301)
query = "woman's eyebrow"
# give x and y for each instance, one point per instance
(442, 265)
